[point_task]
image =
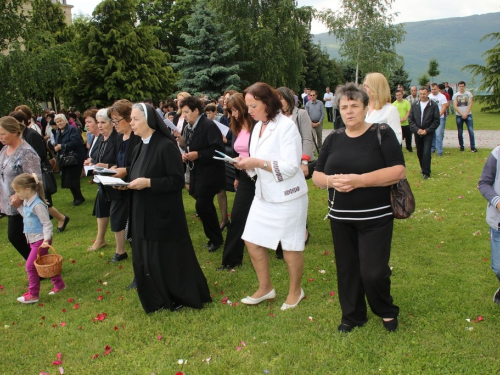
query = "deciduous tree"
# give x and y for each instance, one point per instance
(433, 69)
(367, 34)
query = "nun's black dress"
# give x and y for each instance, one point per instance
(166, 269)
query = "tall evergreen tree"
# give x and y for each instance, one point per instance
(117, 59)
(490, 75)
(399, 76)
(205, 63)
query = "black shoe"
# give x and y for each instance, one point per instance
(66, 221)
(345, 328)
(410, 149)
(473, 149)
(426, 176)
(133, 285)
(461, 148)
(78, 202)
(213, 248)
(308, 236)
(496, 297)
(118, 257)
(228, 267)
(227, 224)
(391, 325)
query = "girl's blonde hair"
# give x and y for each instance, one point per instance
(379, 88)
(31, 181)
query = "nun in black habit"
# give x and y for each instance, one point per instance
(165, 266)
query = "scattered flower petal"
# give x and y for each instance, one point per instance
(159, 337)
(63, 310)
(468, 320)
(180, 361)
(480, 318)
(57, 363)
(311, 279)
(100, 298)
(95, 356)
(70, 300)
(73, 261)
(77, 306)
(61, 370)
(321, 271)
(310, 318)
(332, 293)
(224, 300)
(62, 324)
(120, 267)
(326, 253)
(238, 348)
(116, 328)
(100, 317)
(108, 350)
(243, 343)
(59, 356)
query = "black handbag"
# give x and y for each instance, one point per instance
(49, 181)
(402, 199)
(67, 159)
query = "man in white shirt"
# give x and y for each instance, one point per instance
(442, 102)
(328, 99)
(462, 101)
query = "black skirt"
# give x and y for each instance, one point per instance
(70, 176)
(168, 275)
(102, 205)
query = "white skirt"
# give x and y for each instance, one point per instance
(269, 223)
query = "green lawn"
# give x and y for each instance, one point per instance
(441, 277)
(482, 120)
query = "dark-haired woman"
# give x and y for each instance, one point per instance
(201, 138)
(279, 208)
(165, 265)
(241, 126)
(357, 164)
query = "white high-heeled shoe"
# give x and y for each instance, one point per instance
(255, 301)
(286, 306)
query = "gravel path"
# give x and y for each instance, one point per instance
(488, 139)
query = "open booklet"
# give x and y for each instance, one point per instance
(110, 181)
(98, 170)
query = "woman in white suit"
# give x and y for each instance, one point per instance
(279, 209)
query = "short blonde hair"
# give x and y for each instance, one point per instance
(184, 95)
(379, 89)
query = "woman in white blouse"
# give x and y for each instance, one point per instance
(279, 208)
(380, 108)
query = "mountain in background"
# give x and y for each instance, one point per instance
(454, 42)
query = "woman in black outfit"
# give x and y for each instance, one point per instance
(165, 265)
(357, 164)
(68, 139)
(125, 143)
(201, 138)
(103, 155)
(241, 125)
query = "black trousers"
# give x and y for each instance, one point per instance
(407, 136)
(362, 252)
(15, 230)
(206, 211)
(77, 193)
(234, 246)
(329, 113)
(424, 145)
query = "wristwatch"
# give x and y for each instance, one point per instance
(304, 162)
(264, 166)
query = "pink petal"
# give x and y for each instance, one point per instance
(332, 293)
(238, 348)
(243, 343)
(62, 324)
(159, 337)
(70, 300)
(57, 363)
(61, 370)
(95, 356)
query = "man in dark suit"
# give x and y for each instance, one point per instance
(424, 120)
(201, 138)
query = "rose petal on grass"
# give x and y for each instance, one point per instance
(159, 337)
(310, 318)
(116, 328)
(57, 363)
(43, 318)
(99, 290)
(120, 267)
(73, 261)
(95, 356)
(59, 356)
(332, 293)
(224, 300)
(311, 279)
(40, 304)
(70, 300)
(61, 370)
(243, 343)
(238, 348)
(105, 283)
(326, 253)
(77, 306)
(180, 361)
(62, 324)
(108, 350)
(271, 314)
(100, 298)
(63, 310)
(480, 318)
(1, 287)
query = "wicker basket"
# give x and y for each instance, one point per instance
(49, 265)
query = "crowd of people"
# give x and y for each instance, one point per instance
(266, 147)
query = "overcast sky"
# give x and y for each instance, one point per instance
(409, 11)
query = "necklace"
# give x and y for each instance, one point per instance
(264, 123)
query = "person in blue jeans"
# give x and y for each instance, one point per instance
(489, 186)
(462, 101)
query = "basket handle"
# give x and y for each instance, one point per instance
(38, 252)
